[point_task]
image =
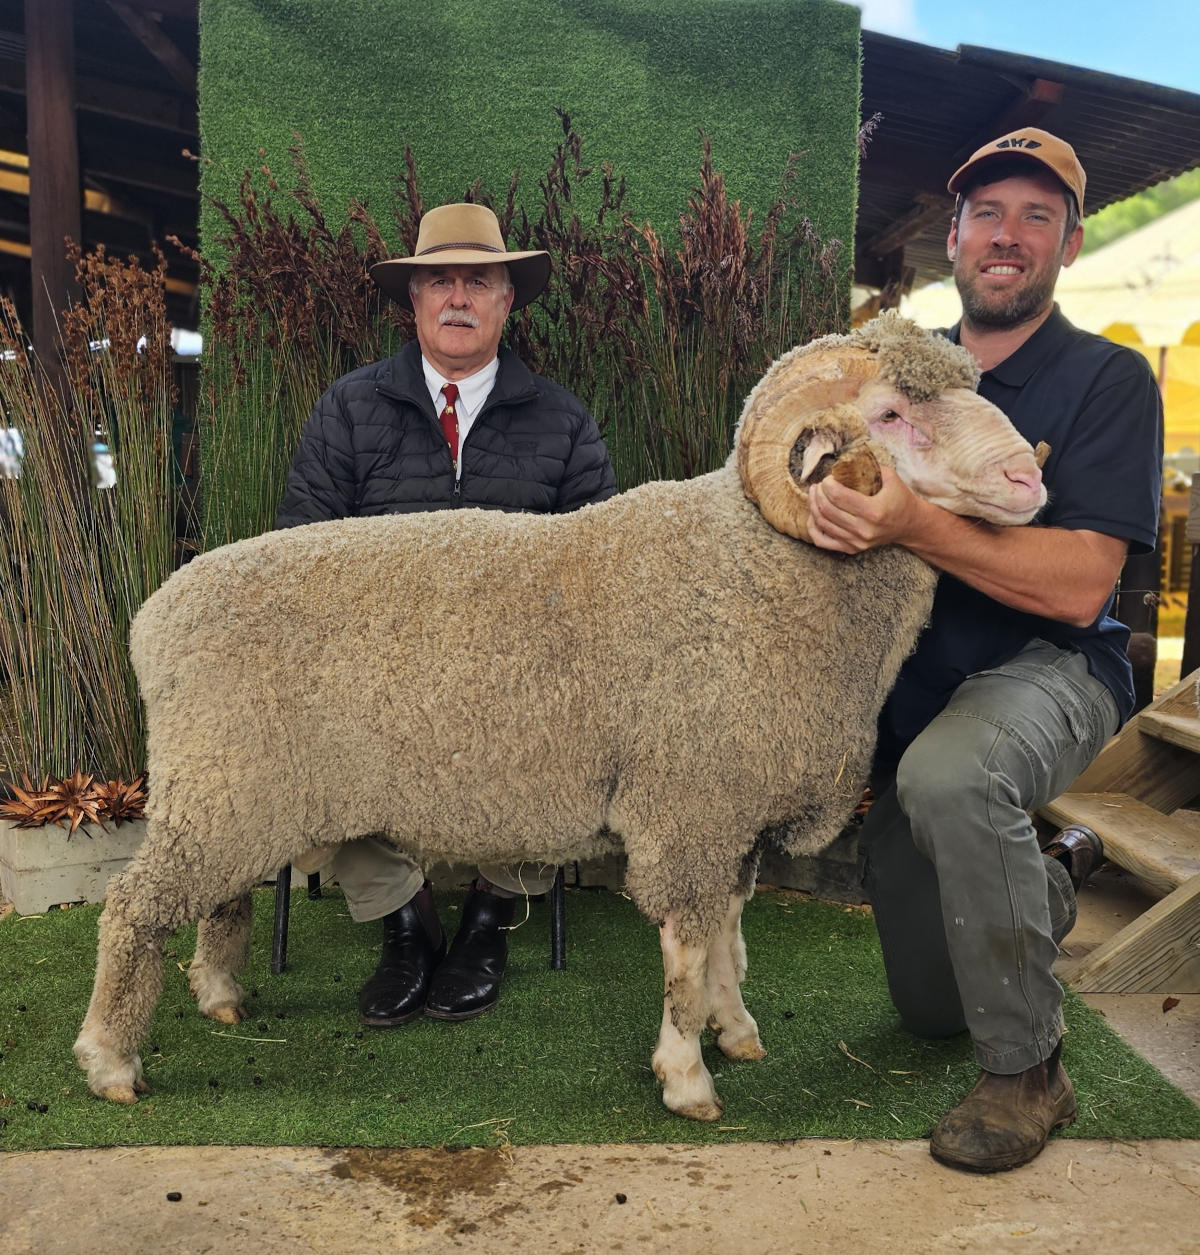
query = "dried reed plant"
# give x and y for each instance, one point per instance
(717, 311)
(77, 561)
(664, 345)
(661, 345)
(582, 331)
(289, 308)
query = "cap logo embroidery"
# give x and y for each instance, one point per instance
(1019, 142)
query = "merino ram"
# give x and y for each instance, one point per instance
(671, 672)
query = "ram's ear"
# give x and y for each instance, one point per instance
(782, 459)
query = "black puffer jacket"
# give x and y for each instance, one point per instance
(372, 445)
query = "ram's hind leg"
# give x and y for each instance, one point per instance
(688, 1088)
(222, 948)
(737, 1033)
(128, 982)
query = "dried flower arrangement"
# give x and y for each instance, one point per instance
(77, 800)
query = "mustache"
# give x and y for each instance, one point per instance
(457, 316)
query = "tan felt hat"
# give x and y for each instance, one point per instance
(463, 235)
(1055, 154)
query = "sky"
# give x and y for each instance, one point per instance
(1157, 41)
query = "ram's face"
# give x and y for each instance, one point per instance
(957, 451)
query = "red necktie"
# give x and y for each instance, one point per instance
(449, 420)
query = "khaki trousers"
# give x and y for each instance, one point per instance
(377, 879)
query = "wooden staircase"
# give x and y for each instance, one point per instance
(1133, 797)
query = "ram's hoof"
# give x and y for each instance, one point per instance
(700, 1110)
(691, 1095)
(741, 1048)
(124, 1094)
(227, 1014)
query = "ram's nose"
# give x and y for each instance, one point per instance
(1028, 480)
(1024, 478)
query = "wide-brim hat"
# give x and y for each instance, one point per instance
(1037, 145)
(463, 235)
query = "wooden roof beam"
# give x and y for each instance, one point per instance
(1037, 97)
(55, 213)
(158, 43)
(167, 110)
(180, 180)
(930, 208)
(182, 10)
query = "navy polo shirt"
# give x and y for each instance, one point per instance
(1097, 405)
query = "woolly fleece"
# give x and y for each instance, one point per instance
(483, 686)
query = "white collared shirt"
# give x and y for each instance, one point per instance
(473, 391)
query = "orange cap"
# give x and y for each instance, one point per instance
(1055, 154)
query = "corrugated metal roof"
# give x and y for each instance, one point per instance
(935, 107)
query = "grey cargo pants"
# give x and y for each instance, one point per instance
(969, 912)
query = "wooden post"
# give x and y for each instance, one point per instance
(54, 186)
(1137, 607)
(1191, 622)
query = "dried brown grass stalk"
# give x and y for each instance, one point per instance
(76, 562)
(289, 308)
(661, 343)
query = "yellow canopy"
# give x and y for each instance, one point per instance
(1177, 368)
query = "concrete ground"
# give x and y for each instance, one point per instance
(807, 1196)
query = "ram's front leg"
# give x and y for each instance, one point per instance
(687, 1086)
(737, 1033)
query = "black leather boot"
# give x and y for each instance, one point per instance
(413, 946)
(468, 982)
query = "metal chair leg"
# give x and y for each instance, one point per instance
(279, 937)
(558, 923)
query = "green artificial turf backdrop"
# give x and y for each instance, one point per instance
(472, 89)
(565, 1057)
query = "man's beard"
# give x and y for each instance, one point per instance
(1008, 310)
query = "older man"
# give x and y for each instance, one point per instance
(1021, 675)
(451, 420)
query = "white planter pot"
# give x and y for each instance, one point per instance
(41, 867)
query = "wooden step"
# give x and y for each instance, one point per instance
(1177, 729)
(1158, 953)
(1179, 699)
(1161, 850)
(1156, 755)
(1135, 796)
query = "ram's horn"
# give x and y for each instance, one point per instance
(798, 426)
(1041, 453)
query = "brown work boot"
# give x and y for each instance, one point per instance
(1005, 1120)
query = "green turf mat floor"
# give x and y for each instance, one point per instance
(565, 1056)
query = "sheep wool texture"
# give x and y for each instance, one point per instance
(661, 672)
(919, 364)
